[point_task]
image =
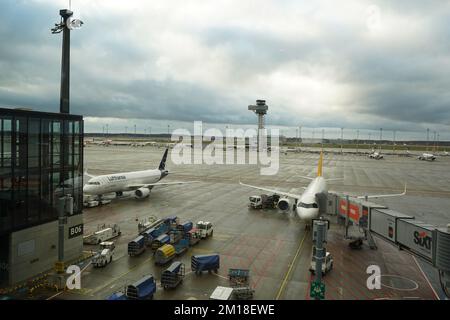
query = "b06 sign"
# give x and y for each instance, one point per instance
(75, 231)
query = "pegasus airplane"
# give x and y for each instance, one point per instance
(141, 182)
(308, 205)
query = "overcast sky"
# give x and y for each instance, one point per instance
(352, 64)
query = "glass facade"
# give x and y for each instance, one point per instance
(41, 159)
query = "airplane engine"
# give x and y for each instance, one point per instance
(283, 204)
(142, 193)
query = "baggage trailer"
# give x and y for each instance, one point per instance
(181, 246)
(142, 289)
(148, 236)
(160, 241)
(117, 296)
(205, 262)
(173, 275)
(137, 246)
(164, 254)
(185, 227)
(193, 236)
(243, 293)
(239, 277)
(222, 293)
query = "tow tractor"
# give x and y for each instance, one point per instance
(205, 228)
(327, 264)
(263, 201)
(105, 255)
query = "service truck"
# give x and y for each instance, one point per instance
(103, 233)
(206, 229)
(263, 201)
(105, 255)
(327, 264)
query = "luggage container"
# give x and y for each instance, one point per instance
(417, 237)
(383, 222)
(206, 262)
(160, 241)
(142, 289)
(117, 296)
(185, 227)
(137, 246)
(181, 246)
(173, 275)
(148, 236)
(164, 254)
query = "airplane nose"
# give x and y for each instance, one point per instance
(307, 213)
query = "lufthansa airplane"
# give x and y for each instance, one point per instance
(308, 204)
(141, 182)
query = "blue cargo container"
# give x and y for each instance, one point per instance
(160, 241)
(148, 236)
(171, 219)
(205, 262)
(142, 289)
(137, 246)
(186, 227)
(173, 275)
(117, 296)
(181, 246)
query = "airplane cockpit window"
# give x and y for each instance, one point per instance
(308, 205)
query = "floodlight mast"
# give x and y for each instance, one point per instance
(65, 26)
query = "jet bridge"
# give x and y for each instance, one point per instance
(430, 243)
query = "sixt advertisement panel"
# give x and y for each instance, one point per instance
(416, 236)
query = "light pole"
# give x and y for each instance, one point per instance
(381, 137)
(428, 137)
(66, 24)
(300, 135)
(357, 141)
(323, 137)
(342, 140)
(393, 144)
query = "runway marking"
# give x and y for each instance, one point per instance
(290, 268)
(426, 278)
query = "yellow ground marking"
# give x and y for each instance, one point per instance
(290, 268)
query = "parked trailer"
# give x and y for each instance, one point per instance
(185, 227)
(238, 277)
(117, 296)
(173, 275)
(193, 236)
(175, 236)
(384, 223)
(181, 246)
(243, 293)
(149, 222)
(417, 237)
(206, 262)
(142, 289)
(160, 241)
(164, 254)
(222, 293)
(148, 236)
(104, 233)
(137, 246)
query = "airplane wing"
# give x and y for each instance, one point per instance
(383, 195)
(282, 193)
(147, 185)
(309, 178)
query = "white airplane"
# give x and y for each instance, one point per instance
(308, 204)
(427, 157)
(375, 155)
(141, 182)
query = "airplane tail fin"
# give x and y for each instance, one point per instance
(162, 164)
(319, 167)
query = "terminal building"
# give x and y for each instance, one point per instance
(41, 161)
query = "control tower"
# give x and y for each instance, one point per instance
(260, 109)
